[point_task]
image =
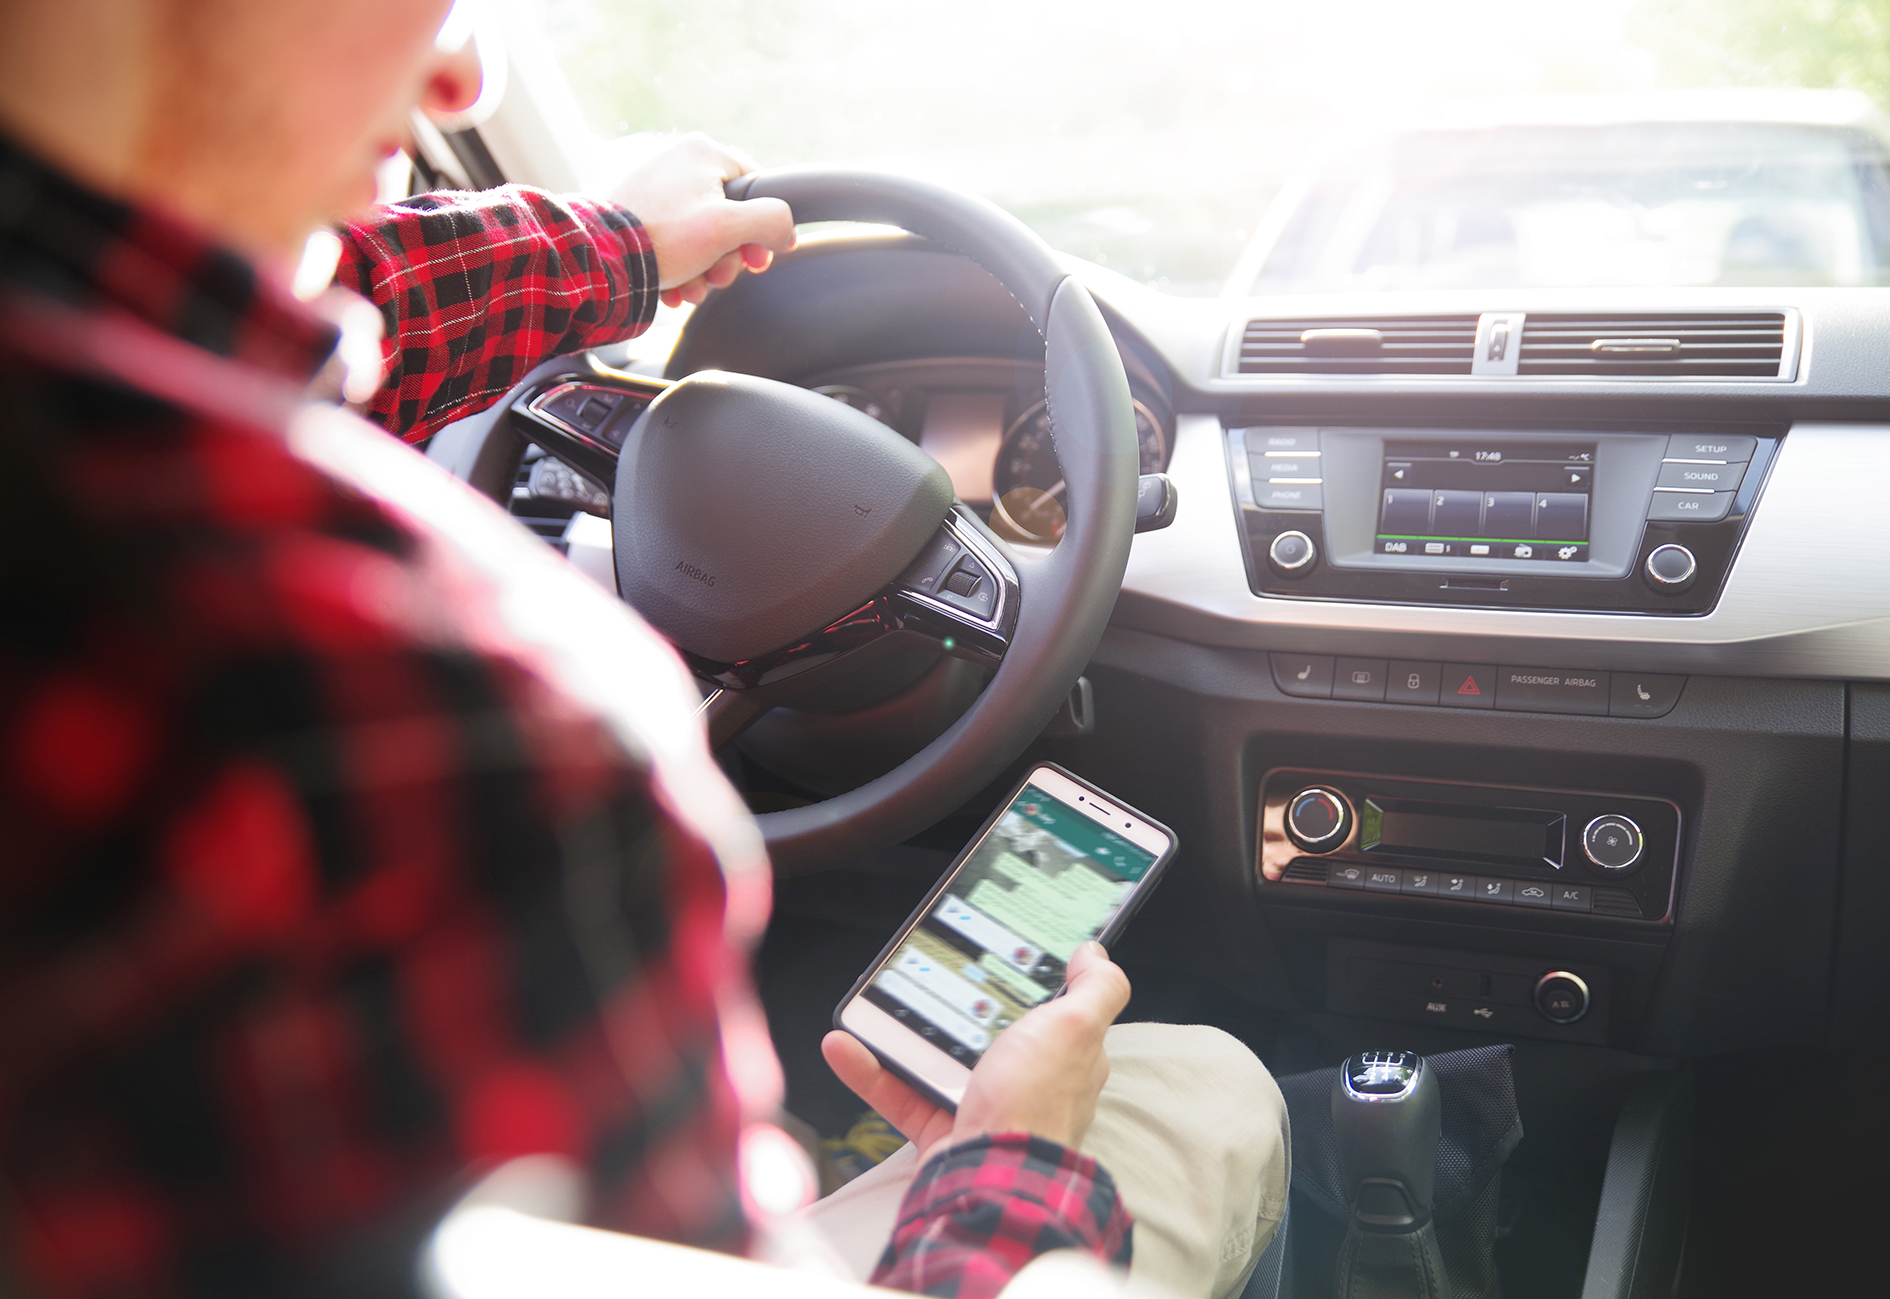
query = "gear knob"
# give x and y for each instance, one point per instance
(1387, 1115)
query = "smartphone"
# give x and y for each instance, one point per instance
(1061, 863)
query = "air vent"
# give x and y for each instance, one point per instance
(1305, 870)
(1681, 345)
(1359, 345)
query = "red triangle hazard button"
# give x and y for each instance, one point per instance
(1469, 687)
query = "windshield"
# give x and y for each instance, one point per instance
(1153, 140)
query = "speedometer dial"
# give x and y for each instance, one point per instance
(1028, 490)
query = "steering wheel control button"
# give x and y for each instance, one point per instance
(1155, 502)
(932, 564)
(1700, 477)
(1643, 694)
(1552, 690)
(1319, 820)
(1690, 446)
(1411, 683)
(970, 588)
(1467, 685)
(1362, 679)
(1572, 897)
(1670, 569)
(1309, 676)
(1674, 505)
(1561, 997)
(1613, 843)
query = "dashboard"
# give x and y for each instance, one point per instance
(1620, 584)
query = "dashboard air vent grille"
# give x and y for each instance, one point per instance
(1740, 344)
(1359, 345)
(1303, 870)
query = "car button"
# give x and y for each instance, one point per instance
(1689, 446)
(1467, 685)
(1359, 679)
(1307, 675)
(1274, 441)
(1673, 506)
(1642, 694)
(1546, 690)
(1710, 478)
(1411, 683)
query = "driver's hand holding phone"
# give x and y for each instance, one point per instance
(986, 1013)
(1041, 1076)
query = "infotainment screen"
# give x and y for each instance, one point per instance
(1486, 500)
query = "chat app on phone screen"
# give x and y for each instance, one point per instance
(998, 940)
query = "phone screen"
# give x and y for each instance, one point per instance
(1045, 879)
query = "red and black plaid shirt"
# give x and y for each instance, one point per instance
(297, 828)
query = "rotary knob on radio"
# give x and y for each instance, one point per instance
(1318, 819)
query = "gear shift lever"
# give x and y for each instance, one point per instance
(1387, 1115)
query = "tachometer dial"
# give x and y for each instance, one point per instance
(1028, 488)
(858, 398)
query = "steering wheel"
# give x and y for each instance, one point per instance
(778, 537)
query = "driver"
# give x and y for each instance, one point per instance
(353, 844)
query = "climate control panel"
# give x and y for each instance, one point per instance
(1427, 842)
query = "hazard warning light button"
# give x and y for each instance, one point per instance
(1467, 685)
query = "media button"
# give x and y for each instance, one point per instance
(1689, 446)
(1530, 893)
(1467, 685)
(1497, 891)
(1384, 879)
(1274, 468)
(1359, 679)
(1307, 675)
(1549, 690)
(1411, 683)
(1671, 505)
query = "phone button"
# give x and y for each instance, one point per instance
(1642, 694)
(1307, 675)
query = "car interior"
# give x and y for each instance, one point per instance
(1510, 663)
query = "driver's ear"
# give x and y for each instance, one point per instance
(453, 83)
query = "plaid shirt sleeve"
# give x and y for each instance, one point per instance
(476, 289)
(978, 1212)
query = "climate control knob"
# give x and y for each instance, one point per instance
(1613, 843)
(1318, 819)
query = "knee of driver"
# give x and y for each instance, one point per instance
(1195, 1057)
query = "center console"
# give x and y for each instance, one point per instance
(1623, 521)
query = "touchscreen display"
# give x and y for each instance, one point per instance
(1486, 500)
(1045, 880)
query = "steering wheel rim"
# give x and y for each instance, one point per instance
(1066, 599)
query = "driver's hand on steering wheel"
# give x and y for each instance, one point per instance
(1041, 1076)
(702, 238)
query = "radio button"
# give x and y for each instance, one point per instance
(1712, 478)
(1674, 506)
(1467, 685)
(1274, 441)
(1545, 690)
(1689, 446)
(1644, 694)
(1308, 676)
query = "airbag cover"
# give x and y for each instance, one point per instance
(748, 513)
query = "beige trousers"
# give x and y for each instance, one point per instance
(1192, 1128)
